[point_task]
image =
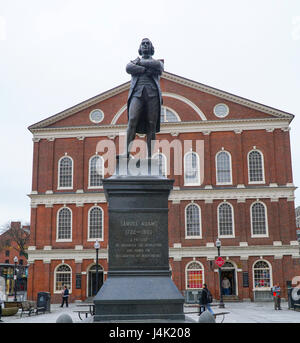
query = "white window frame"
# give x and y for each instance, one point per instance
(198, 169)
(186, 274)
(165, 108)
(271, 276)
(55, 274)
(233, 226)
(58, 174)
(200, 222)
(57, 226)
(230, 166)
(89, 182)
(94, 239)
(165, 162)
(266, 220)
(263, 167)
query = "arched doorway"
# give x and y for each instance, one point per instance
(228, 278)
(91, 289)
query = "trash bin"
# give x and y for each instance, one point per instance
(43, 300)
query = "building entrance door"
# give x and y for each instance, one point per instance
(92, 289)
(228, 279)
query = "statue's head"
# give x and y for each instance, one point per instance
(146, 47)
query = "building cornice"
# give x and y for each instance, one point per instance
(176, 253)
(235, 251)
(235, 125)
(176, 195)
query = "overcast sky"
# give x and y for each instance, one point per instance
(55, 54)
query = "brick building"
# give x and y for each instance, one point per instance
(9, 249)
(236, 184)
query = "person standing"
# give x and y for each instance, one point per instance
(226, 285)
(206, 299)
(65, 296)
(277, 297)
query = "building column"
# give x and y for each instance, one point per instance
(50, 162)
(273, 220)
(207, 222)
(280, 158)
(284, 221)
(79, 186)
(242, 225)
(287, 154)
(47, 274)
(207, 167)
(271, 157)
(33, 225)
(78, 225)
(175, 223)
(47, 237)
(35, 165)
(239, 157)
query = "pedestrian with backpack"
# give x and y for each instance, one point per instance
(206, 299)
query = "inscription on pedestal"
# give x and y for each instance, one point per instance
(137, 241)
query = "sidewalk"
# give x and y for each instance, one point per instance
(240, 312)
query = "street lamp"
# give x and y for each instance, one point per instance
(15, 277)
(97, 246)
(218, 245)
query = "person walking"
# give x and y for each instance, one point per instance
(65, 296)
(206, 299)
(276, 296)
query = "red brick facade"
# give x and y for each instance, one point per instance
(248, 127)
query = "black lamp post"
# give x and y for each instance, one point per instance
(15, 277)
(218, 245)
(97, 246)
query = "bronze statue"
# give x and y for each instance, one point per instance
(144, 98)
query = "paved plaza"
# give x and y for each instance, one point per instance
(240, 312)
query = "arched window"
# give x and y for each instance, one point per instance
(194, 275)
(193, 221)
(162, 163)
(191, 169)
(258, 219)
(167, 115)
(261, 274)
(96, 171)
(62, 277)
(65, 172)
(223, 168)
(95, 223)
(225, 220)
(256, 167)
(64, 224)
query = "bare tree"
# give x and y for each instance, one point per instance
(15, 232)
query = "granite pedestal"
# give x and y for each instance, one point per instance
(138, 286)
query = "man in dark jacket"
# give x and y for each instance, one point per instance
(144, 97)
(206, 299)
(65, 297)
